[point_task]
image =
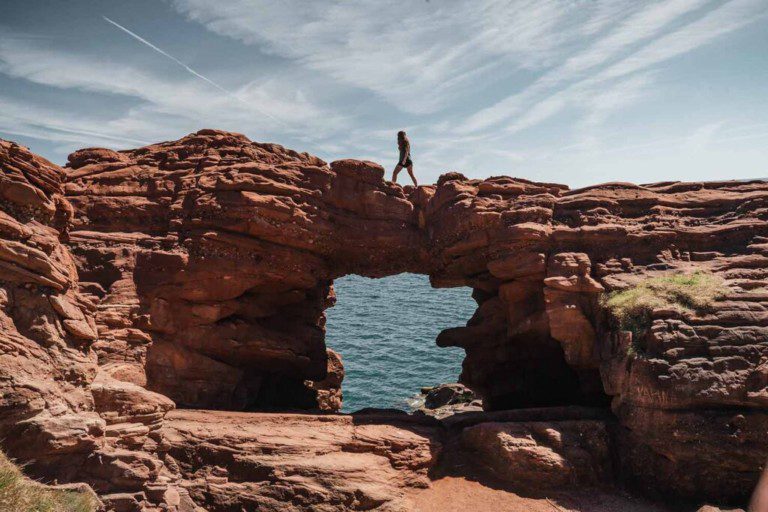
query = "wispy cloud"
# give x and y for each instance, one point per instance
(537, 88)
(20, 118)
(419, 57)
(439, 55)
(167, 106)
(725, 19)
(638, 27)
(646, 26)
(701, 137)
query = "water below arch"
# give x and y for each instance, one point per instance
(385, 331)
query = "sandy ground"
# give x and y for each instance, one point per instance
(459, 494)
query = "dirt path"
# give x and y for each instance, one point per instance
(457, 494)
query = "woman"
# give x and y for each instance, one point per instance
(405, 158)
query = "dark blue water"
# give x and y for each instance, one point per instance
(385, 331)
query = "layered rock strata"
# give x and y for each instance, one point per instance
(301, 462)
(204, 265)
(47, 411)
(62, 414)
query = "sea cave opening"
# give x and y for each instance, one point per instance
(385, 331)
(395, 335)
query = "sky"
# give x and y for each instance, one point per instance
(569, 91)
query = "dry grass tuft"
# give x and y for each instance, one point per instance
(695, 292)
(20, 494)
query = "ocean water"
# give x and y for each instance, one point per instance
(385, 331)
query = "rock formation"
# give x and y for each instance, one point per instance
(448, 399)
(301, 462)
(47, 411)
(61, 413)
(196, 273)
(543, 455)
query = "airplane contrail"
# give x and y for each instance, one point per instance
(177, 61)
(162, 52)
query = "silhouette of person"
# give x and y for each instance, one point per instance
(404, 146)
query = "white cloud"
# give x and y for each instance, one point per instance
(723, 20)
(418, 56)
(634, 29)
(163, 105)
(342, 77)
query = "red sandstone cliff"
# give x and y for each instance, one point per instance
(46, 325)
(204, 266)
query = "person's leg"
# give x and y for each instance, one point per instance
(397, 170)
(759, 501)
(413, 177)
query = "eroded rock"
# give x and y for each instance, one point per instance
(200, 269)
(301, 462)
(543, 455)
(46, 408)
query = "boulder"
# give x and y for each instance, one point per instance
(448, 394)
(543, 455)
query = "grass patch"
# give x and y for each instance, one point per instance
(20, 494)
(632, 307)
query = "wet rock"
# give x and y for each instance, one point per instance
(448, 394)
(445, 400)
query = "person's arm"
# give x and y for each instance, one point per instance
(406, 152)
(759, 501)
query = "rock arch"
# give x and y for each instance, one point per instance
(205, 265)
(230, 248)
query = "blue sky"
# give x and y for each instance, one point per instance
(570, 91)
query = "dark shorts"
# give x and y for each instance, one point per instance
(408, 162)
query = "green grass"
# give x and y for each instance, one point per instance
(20, 494)
(693, 292)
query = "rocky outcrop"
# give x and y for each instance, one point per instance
(690, 395)
(301, 462)
(213, 259)
(447, 399)
(543, 455)
(46, 327)
(61, 414)
(199, 270)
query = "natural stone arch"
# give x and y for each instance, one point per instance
(233, 250)
(158, 230)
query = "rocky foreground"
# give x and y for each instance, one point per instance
(194, 275)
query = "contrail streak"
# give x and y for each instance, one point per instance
(162, 52)
(177, 61)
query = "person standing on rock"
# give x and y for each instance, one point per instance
(405, 158)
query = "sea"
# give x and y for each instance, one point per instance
(385, 331)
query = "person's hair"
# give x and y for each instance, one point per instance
(401, 135)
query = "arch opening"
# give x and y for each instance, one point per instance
(385, 331)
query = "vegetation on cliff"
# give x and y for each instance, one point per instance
(20, 494)
(632, 307)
